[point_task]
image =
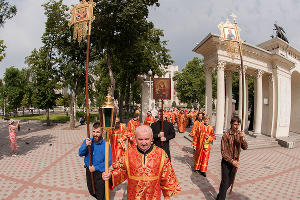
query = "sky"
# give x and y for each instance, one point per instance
(184, 22)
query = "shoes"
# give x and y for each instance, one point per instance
(203, 174)
(14, 155)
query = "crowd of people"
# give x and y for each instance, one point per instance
(141, 153)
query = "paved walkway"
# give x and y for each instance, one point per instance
(47, 167)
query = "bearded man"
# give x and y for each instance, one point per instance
(97, 145)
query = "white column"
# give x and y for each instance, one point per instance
(228, 107)
(271, 105)
(220, 98)
(208, 90)
(258, 102)
(246, 125)
(241, 93)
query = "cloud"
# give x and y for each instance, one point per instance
(185, 22)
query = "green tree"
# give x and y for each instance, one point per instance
(190, 83)
(7, 11)
(15, 82)
(71, 56)
(44, 80)
(2, 50)
(121, 29)
(2, 96)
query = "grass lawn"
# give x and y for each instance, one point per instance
(54, 117)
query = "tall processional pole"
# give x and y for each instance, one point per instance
(82, 17)
(230, 35)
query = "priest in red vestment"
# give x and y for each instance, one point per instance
(181, 122)
(197, 123)
(147, 168)
(149, 119)
(131, 126)
(204, 135)
(115, 139)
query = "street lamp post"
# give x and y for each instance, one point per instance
(149, 84)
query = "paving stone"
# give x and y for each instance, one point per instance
(48, 167)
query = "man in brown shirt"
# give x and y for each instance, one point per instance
(231, 142)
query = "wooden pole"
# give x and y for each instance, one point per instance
(108, 132)
(243, 106)
(162, 119)
(87, 102)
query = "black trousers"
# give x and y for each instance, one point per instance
(99, 184)
(227, 178)
(165, 146)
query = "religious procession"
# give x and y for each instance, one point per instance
(101, 111)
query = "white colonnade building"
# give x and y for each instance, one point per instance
(276, 68)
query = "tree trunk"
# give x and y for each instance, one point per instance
(121, 106)
(23, 111)
(48, 116)
(72, 118)
(127, 97)
(111, 75)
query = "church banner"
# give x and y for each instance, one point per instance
(162, 88)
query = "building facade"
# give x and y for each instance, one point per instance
(276, 68)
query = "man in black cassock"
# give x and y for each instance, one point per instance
(162, 137)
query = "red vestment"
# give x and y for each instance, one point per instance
(173, 116)
(181, 123)
(131, 126)
(115, 142)
(201, 146)
(149, 120)
(148, 174)
(194, 128)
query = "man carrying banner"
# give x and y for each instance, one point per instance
(231, 142)
(162, 137)
(97, 145)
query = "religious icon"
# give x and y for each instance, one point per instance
(81, 17)
(230, 34)
(161, 88)
(230, 37)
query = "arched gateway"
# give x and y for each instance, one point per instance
(276, 68)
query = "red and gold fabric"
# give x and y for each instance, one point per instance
(173, 117)
(149, 120)
(201, 146)
(181, 123)
(115, 137)
(129, 135)
(194, 128)
(147, 174)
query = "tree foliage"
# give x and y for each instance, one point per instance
(190, 83)
(7, 11)
(44, 79)
(2, 50)
(15, 82)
